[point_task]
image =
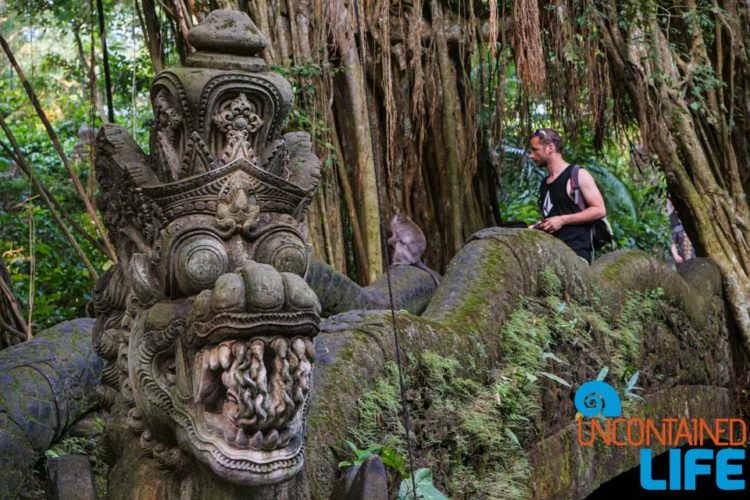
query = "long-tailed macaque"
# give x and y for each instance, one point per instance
(409, 243)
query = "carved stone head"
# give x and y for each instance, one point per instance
(206, 319)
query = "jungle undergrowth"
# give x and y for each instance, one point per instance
(474, 436)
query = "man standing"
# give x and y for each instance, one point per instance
(561, 215)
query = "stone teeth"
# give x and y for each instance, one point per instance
(241, 438)
(213, 359)
(280, 346)
(272, 440)
(225, 356)
(257, 440)
(285, 438)
(239, 350)
(310, 348)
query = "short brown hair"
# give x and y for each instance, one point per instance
(549, 136)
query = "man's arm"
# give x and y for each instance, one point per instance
(595, 206)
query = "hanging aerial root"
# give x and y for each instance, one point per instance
(527, 45)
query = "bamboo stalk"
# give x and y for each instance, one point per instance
(21, 161)
(94, 92)
(351, 206)
(56, 204)
(32, 271)
(364, 162)
(59, 149)
(151, 31)
(15, 308)
(105, 58)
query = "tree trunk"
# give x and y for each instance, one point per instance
(686, 120)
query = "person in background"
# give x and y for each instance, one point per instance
(561, 215)
(682, 248)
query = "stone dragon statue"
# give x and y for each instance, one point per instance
(206, 322)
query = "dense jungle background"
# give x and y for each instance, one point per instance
(420, 107)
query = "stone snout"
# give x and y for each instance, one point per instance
(249, 301)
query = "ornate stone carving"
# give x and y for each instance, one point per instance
(206, 322)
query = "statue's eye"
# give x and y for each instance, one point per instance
(200, 260)
(285, 251)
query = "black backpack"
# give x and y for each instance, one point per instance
(601, 232)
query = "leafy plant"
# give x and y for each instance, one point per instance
(424, 487)
(359, 456)
(68, 446)
(388, 455)
(630, 388)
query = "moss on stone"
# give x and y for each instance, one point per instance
(472, 422)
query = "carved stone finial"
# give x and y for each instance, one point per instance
(228, 32)
(227, 39)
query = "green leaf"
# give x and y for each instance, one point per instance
(423, 483)
(393, 460)
(362, 454)
(512, 436)
(549, 355)
(554, 377)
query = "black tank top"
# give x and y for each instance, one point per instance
(554, 200)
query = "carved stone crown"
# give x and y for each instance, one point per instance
(216, 138)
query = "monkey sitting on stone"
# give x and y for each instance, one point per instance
(409, 243)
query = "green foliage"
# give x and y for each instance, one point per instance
(389, 456)
(69, 446)
(465, 427)
(42, 36)
(381, 405)
(422, 481)
(472, 433)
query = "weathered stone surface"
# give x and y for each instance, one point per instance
(412, 289)
(366, 481)
(227, 32)
(69, 478)
(45, 385)
(686, 365)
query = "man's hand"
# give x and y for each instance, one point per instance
(552, 224)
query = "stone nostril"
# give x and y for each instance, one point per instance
(263, 285)
(229, 293)
(299, 295)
